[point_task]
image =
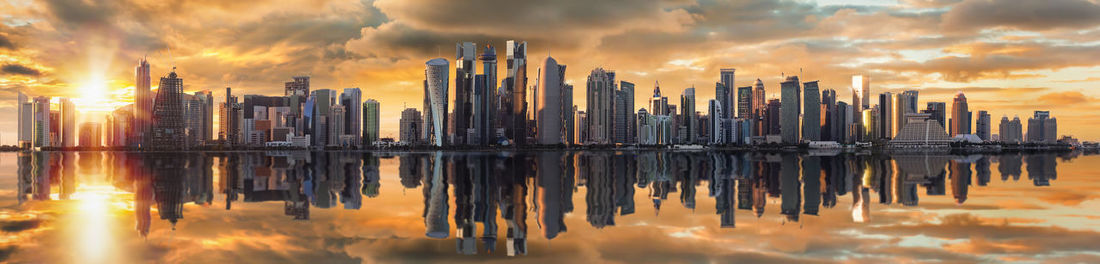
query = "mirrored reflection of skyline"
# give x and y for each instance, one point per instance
(488, 202)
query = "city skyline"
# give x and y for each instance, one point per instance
(101, 73)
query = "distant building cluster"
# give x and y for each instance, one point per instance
(486, 112)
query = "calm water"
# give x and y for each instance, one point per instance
(592, 206)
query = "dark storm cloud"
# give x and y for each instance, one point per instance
(78, 12)
(17, 69)
(519, 16)
(6, 43)
(1022, 14)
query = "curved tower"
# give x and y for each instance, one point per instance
(435, 89)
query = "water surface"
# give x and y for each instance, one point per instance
(547, 206)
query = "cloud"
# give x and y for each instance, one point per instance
(974, 15)
(1064, 98)
(6, 43)
(17, 69)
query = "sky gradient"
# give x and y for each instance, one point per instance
(1010, 57)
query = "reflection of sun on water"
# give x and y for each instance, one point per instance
(91, 229)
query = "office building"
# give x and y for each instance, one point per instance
(1042, 128)
(1011, 131)
(729, 99)
(829, 118)
(352, 101)
(483, 123)
(229, 119)
(811, 117)
(938, 110)
(25, 112)
(410, 126)
(435, 101)
(687, 117)
(960, 116)
(143, 103)
(68, 122)
(791, 98)
(91, 135)
(714, 119)
(513, 94)
(371, 110)
(904, 103)
(41, 110)
(745, 108)
(599, 92)
(624, 124)
(758, 101)
(772, 116)
(465, 74)
(198, 117)
(168, 120)
(861, 92)
(982, 125)
(548, 112)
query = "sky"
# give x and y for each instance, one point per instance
(1010, 57)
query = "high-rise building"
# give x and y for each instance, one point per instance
(861, 92)
(599, 91)
(352, 101)
(336, 125)
(168, 120)
(25, 118)
(758, 102)
(830, 130)
(982, 126)
(658, 104)
(120, 127)
(513, 94)
(791, 98)
(844, 123)
(721, 95)
(714, 118)
(435, 100)
(1011, 131)
(465, 73)
(411, 125)
(68, 122)
(905, 103)
(568, 111)
(687, 117)
(960, 116)
(811, 117)
(143, 104)
(298, 86)
(549, 116)
(297, 92)
(41, 123)
(870, 122)
(197, 114)
(484, 101)
(744, 102)
(625, 126)
(885, 116)
(91, 135)
(371, 118)
(729, 99)
(772, 118)
(229, 120)
(938, 110)
(1042, 128)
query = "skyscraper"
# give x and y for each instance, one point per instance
(336, 126)
(371, 118)
(729, 99)
(861, 92)
(514, 93)
(904, 103)
(168, 120)
(143, 103)
(791, 98)
(758, 102)
(25, 110)
(1011, 131)
(599, 91)
(68, 122)
(938, 110)
(229, 120)
(465, 71)
(1042, 128)
(687, 117)
(811, 117)
(830, 130)
(714, 117)
(485, 105)
(352, 101)
(435, 98)
(549, 117)
(625, 112)
(410, 126)
(744, 102)
(983, 125)
(885, 116)
(960, 116)
(772, 118)
(41, 123)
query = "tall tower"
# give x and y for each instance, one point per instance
(729, 100)
(514, 93)
(758, 102)
(861, 89)
(352, 100)
(960, 115)
(811, 118)
(465, 71)
(791, 100)
(168, 122)
(485, 100)
(370, 121)
(435, 95)
(143, 103)
(599, 91)
(548, 114)
(687, 116)
(68, 123)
